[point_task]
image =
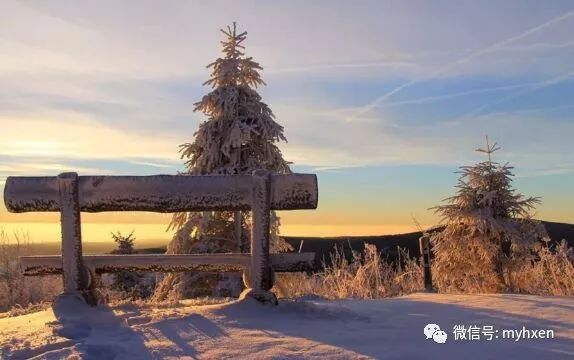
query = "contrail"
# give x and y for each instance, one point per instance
(463, 60)
(531, 110)
(541, 85)
(444, 97)
(310, 68)
(540, 46)
(459, 94)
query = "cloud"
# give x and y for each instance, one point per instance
(448, 96)
(110, 38)
(531, 88)
(399, 65)
(155, 42)
(539, 46)
(560, 170)
(530, 139)
(33, 169)
(54, 134)
(109, 81)
(528, 110)
(152, 164)
(453, 64)
(78, 40)
(335, 168)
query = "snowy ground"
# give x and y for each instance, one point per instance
(383, 329)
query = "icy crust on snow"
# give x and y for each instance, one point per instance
(310, 328)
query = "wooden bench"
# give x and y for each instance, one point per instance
(71, 194)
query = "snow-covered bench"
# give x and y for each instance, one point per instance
(70, 194)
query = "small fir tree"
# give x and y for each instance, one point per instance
(238, 137)
(125, 243)
(488, 229)
(129, 283)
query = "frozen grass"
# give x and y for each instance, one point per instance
(16, 291)
(546, 270)
(552, 274)
(366, 276)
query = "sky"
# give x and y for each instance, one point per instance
(383, 100)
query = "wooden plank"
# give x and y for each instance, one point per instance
(294, 192)
(160, 193)
(52, 264)
(74, 277)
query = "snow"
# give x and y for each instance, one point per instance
(297, 329)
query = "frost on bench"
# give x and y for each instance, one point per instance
(161, 193)
(71, 194)
(101, 264)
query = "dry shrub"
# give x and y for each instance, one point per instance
(472, 257)
(366, 276)
(465, 262)
(552, 273)
(16, 290)
(549, 272)
(544, 270)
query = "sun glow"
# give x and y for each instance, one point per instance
(344, 230)
(154, 234)
(35, 147)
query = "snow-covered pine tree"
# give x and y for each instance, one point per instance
(129, 283)
(238, 137)
(488, 228)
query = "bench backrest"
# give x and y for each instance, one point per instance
(161, 193)
(70, 194)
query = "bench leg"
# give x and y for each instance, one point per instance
(75, 276)
(260, 274)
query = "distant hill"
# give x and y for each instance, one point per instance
(55, 248)
(387, 244)
(321, 246)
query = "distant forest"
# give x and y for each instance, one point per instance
(321, 246)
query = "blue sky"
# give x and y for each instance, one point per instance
(382, 99)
